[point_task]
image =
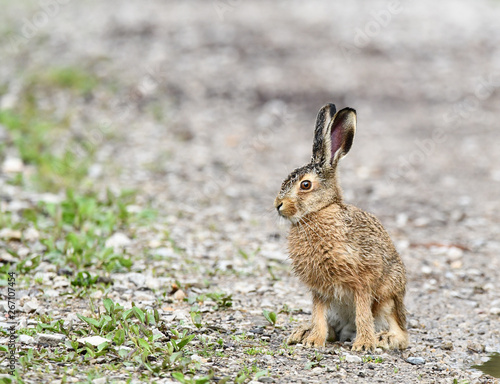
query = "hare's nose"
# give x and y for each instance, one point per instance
(279, 207)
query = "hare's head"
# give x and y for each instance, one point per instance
(314, 186)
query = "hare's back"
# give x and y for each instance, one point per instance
(368, 234)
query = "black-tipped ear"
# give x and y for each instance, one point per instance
(342, 129)
(321, 147)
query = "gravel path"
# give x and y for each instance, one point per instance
(204, 107)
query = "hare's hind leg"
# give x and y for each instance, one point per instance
(392, 312)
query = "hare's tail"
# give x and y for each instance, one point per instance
(400, 311)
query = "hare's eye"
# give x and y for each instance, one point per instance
(305, 185)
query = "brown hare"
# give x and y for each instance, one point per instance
(343, 254)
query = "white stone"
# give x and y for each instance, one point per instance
(30, 306)
(141, 296)
(95, 170)
(51, 293)
(153, 284)
(10, 234)
(44, 338)
(60, 282)
(25, 339)
(426, 270)
(118, 240)
(93, 340)
(180, 314)
(96, 294)
(495, 311)
(100, 380)
(317, 371)
(489, 287)
(138, 279)
(7, 257)
(31, 234)
(415, 360)
(244, 287)
(166, 252)
(490, 349)
(401, 219)
(455, 253)
(421, 222)
(18, 205)
(12, 165)
(274, 255)
(352, 358)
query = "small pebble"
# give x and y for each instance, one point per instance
(12, 165)
(265, 379)
(52, 293)
(179, 295)
(31, 234)
(447, 345)
(10, 234)
(352, 358)
(30, 306)
(416, 360)
(45, 338)
(495, 311)
(475, 347)
(93, 340)
(25, 339)
(118, 240)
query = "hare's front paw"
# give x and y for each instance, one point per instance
(299, 334)
(305, 335)
(314, 341)
(364, 344)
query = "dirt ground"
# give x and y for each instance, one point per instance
(213, 104)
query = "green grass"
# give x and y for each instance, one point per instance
(74, 234)
(37, 140)
(42, 132)
(67, 78)
(222, 300)
(130, 341)
(269, 316)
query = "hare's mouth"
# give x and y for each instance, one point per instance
(284, 212)
(293, 218)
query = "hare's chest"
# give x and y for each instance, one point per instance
(325, 263)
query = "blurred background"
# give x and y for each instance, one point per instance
(215, 101)
(204, 107)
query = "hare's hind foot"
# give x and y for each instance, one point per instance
(396, 337)
(392, 313)
(306, 335)
(393, 339)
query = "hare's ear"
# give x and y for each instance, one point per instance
(322, 143)
(341, 130)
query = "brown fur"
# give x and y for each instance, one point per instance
(343, 254)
